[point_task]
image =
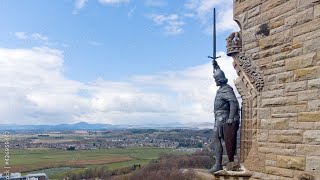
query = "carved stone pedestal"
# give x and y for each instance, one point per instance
(244, 174)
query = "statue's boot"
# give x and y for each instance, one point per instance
(230, 138)
(215, 168)
(218, 155)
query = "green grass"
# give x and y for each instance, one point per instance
(37, 159)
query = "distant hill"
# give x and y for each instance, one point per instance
(87, 126)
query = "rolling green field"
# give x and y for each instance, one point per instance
(61, 161)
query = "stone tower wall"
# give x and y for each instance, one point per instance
(281, 39)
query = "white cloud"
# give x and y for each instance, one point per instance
(38, 36)
(95, 43)
(113, 1)
(156, 3)
(34, 90)
(171, 23)
(204, 8)
(79, 4)
(21, 35)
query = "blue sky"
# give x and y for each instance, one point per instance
(110, 61)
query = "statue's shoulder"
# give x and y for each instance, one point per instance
(226, 89)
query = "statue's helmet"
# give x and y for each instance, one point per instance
(219, 76)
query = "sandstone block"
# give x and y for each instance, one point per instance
(254, 12)
(311, 137)
(285, 77)
(275, 124)
(299, 18)
(272, 94)
(313, 164)
(242, 7)
(271, 157)
(262, 135)
(307, 36)
(306, 27)
(314, 84)
(313, 105)
(309, 150)
(271, 163)
(279, 151)
(276, 39)
(300, 61)
(291, 100)
(316, 10)
(296, 86)
(301, 125)
(286, 138)
(291, 162)
(278, 10)
(267, 5)
(264, 113)
(279, 171)
(309, 116)
(288, 109)
(311, 45)
(304, 4)
(307, 73)
(308, 95)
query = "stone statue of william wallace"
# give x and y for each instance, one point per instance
(226, 112)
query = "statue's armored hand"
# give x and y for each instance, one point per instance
(229, 121)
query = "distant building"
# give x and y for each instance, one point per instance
(17, 176)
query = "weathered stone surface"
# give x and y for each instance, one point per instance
(288, 109)
(254, 11)
(301, 125)
(289, 162)
(316, 10)
(306, 27)
(285, 77)
(264, 113)
(276, 39)
(262, 135)
(313, 164)
(279, 171)
(309, 150)
(271, 157)
(267, 5)
(277, 64)
(308, 95)
(296, 86)
(278, 10)
(275, 124)
(279, 151)
(289, 54)
(299, 18)
(277, 24)
(250, 46)
(291, 100)
(309, 116)
(286, 115)
(300, 61)
(307, 73)
(304, 4)
(242, 7)
(311, 45)
(307, 36)
(311, 137)
(272, 94)
(286, 138)
(314, 84)
(249, 35)
(314, 105)
(271, 163)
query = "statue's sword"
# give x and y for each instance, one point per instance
(214, 56)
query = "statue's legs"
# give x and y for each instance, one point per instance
(218, 151)
(230, 138)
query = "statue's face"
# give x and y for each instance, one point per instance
(218, 83)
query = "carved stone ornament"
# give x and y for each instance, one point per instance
(234, 49)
